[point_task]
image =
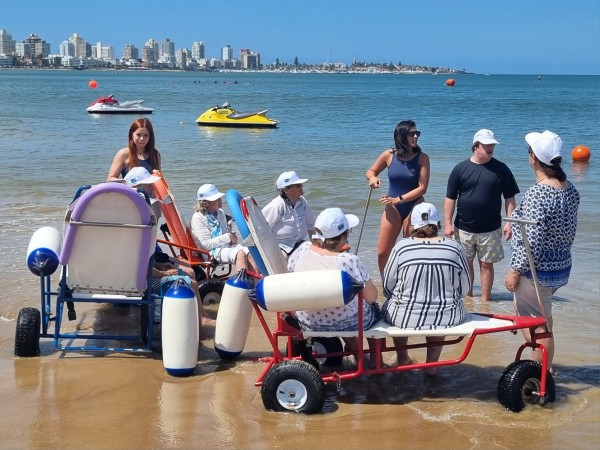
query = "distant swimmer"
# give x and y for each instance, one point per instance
(539, 78)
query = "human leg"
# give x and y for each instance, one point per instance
(468, 241)
(241, 261)
(402, 356)
(472, 275)
(486, 274)
(203, 317)
(433, 353)
(391, 224)
(526, 303)
(489, 251)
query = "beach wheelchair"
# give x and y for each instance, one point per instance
(294, 378)
(104, 257)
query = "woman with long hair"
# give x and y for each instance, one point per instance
(408, 173)
(140, 151)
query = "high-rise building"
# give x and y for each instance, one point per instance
(66, 49)
(148, 54)
(152, 53)
(227, 53)
(38, 48)
(7, 43)
(131, 52)
(198, 51)
(167, 49)
(250, 60)
(79, 44)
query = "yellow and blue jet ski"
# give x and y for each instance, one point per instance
(226, 116)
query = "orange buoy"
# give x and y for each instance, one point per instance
(93, 84)
(581, 154)
(450, 82)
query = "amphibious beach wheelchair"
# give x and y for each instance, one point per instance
(105, 257)
(294, 378)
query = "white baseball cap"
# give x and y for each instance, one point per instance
(139, 175)
(332, 222)
(208, 192)
(546, 146)
(424, 214)
(289, 178)
(485, 136)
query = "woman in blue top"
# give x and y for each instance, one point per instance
(553, 203)
(408, 173)
(140, 151)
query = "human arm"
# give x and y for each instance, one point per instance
(118, 164)
(509, 206)
(449, 207)
(272, 213)
(201, 231)
(370, 292)
(158, 161)
(161, 271)
(382, 162)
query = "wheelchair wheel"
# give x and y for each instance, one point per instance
(520, 385)
(211, 291)
(293, 386)
(322, 345)
(27, 333)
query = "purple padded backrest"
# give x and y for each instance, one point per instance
(145, 216)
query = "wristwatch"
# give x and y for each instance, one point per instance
(401, 198)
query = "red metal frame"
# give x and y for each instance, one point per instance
(284, 330)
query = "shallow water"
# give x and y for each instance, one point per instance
(333, 127)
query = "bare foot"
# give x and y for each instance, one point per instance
(406, 361)
(208, 322)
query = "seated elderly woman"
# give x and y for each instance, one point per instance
(424, 281)
(211, 231)
(332, 228)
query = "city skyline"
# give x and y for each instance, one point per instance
(512, 37)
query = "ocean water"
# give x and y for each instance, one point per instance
(333, 126)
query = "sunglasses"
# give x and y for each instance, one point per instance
(295, 185)
(414, 133)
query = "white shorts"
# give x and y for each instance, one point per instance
(228, 255)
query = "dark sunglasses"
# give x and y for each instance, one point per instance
(414, 133)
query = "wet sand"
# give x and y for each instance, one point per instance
(69, 400)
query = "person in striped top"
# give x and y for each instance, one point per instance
(424, 281)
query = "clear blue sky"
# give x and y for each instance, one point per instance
(482, 36)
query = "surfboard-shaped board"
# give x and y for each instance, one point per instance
(257, 234)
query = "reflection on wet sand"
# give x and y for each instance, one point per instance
(69, 400)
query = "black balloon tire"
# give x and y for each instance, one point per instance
(27, 332)
(211, 288)
(293, 386)
(327, 344)
(520, 382)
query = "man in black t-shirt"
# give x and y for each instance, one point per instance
(475, 190)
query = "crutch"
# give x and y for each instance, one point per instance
(362, 225)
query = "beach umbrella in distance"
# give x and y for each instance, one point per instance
(581, 154)
(93, 84)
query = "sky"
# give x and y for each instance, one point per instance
(496, 37)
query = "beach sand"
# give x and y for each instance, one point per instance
(75, 401)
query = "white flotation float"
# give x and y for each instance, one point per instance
(233, 317)
(43, 251)
(298, 291)
(180, 330)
